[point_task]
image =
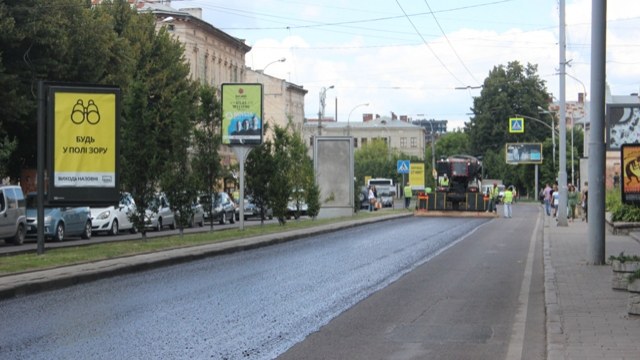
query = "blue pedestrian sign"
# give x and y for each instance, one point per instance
(516, 125)
(404, 166)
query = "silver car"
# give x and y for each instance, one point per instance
(13, 222)
(158, 214)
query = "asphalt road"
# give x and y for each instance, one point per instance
(480, 299)
(401, 289)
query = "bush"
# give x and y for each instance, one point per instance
(620, 211)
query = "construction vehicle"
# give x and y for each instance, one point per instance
(459, 187)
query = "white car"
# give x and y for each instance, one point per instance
(112, 219)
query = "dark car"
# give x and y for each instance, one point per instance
(222, 209)
(251, 210)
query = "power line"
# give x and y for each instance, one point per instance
(449, 42)
(427, 44)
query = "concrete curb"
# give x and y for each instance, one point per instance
(555, 334)
(21, 284)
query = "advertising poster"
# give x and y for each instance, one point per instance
(242, 114)
(416, 176)
(623, 125)
(523, 153)
(85, 140)
(83, 144)
(630, 156)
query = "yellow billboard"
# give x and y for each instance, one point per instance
(84, 139)
(416, 176)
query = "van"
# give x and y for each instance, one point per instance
(13, 220)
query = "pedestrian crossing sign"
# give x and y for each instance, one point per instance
(516, 125)
(403, 166)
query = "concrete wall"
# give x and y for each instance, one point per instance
(333, 163)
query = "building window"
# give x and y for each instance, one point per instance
(403, 142)
(364, 141)
(414, 142)
(355, 142)
(311, 141)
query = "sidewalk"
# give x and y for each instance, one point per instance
(586, 318)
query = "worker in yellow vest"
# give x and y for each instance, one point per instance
(408, 194)
(507, 200)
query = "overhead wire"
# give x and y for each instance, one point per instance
(427, 44)
(444, 34)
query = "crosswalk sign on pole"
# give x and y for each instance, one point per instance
(516, 125)
(404, 166)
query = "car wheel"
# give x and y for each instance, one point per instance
(133, 229)
(201, 223)
(20, 235)
(86, 234)
(223, 218)
(114, 228)
(173, 225)
(59, 232)
(159, 224)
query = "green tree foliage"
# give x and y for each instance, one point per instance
(508, 91)
(281, 184)
(50, 40)
(158, 115)
(375, 159)
(260, 169)
(206, 142)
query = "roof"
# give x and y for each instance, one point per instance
(161, 10)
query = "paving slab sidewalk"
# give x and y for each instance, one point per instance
(586, 318)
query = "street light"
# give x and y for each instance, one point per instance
(553, 133)
(273, 62)
(323, 96)
(349, 117)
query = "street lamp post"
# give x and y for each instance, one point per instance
(553, 133)
(323, 96)
(349, 117)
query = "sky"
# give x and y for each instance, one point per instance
(422, 58)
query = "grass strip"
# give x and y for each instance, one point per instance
(57, 257)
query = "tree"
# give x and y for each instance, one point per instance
(281, 184)
(206, 141)
(507, 91)
(157, 113)
(260, 168)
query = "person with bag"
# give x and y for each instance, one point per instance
(372, 198)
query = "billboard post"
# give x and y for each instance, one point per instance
(242, 125)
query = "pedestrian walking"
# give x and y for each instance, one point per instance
(572, 201)
(506, 201)
(585, 201)
(408, 194)
(372, 198)
(555, 200)
(547, 199)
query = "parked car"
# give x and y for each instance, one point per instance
(158, 214)
(297, 205)
(363, 197)
(59, 222)
(112, 219)
(222, 209)
(13, 220)
(386, 198)
(197, 217)
(253, 211)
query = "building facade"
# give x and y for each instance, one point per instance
(283, 102)
(400, 136)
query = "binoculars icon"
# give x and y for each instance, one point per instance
(80, 113)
